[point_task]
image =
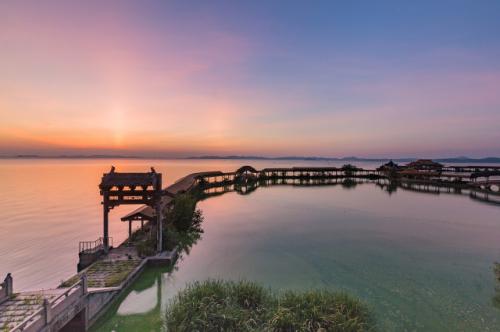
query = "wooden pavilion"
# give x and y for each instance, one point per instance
(131, 188)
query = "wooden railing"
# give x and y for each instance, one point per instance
(50, 310)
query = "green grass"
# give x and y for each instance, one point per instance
(114, 273)
(5, 327)
(216, 305)
(116, 278)
(70, 282)
(118, 271)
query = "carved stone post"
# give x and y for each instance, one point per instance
(47, 312)
(8, 284)
(84, 284)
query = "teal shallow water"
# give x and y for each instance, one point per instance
(421, 261)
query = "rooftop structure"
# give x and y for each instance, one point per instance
(425, 164)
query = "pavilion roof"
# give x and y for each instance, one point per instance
(128, 179)
(246, 168)
(144, 212)
(424, 163)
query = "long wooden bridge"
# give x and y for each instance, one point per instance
(459, 176)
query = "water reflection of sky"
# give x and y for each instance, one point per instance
(139, 302)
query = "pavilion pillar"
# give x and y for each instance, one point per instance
(159, 216)
(105, 236)
(142, 224)
(160, 227)
(129, 229)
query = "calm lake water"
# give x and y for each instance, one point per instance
(420, 261)
(49, 205)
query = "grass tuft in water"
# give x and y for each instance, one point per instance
(319, 311)
(216, 305)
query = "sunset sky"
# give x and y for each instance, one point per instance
(273, 78)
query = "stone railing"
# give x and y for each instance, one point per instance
(6, 289)
(54, 313)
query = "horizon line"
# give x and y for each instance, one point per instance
(244, 157)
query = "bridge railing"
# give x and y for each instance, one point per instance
(50, 310)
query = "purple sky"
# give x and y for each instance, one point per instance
(274, 78)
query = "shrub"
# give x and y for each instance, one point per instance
(216, 305)
(182, 212)
(182, 227)
(146, 247)
(183, 240)
(349, 169)
(138, 235)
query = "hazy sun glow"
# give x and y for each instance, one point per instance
(269, 78)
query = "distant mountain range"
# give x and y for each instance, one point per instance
(83, 156)
(442, 160)
(236, 157)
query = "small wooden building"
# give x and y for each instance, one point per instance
(142, 214)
